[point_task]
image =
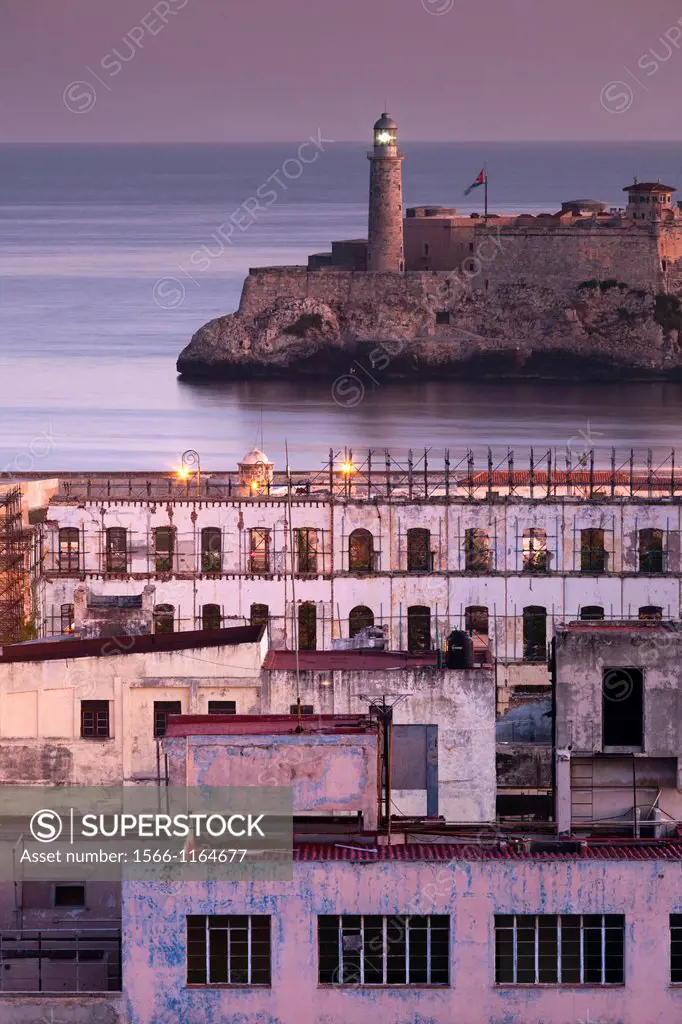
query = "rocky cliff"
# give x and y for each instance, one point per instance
(428, 324)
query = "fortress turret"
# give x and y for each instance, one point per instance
(650, 200)
(385, 238)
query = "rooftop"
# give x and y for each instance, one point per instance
(649, 186)
(619, 625)
(548, 850)
(354, 661)
(268, 725)
(53, 649)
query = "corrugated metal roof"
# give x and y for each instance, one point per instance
(629, 851)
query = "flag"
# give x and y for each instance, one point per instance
(480, 180)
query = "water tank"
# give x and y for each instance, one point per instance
(460, 650)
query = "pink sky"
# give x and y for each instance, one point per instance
(267, 70)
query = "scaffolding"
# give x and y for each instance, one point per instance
(13, 566)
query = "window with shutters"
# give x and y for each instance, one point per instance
(419, 551)
(534, 633)
(228, 949)
(418, 628)
(361, 551)
(163, 709)
(211, 617)
(676, 949)
(592, 551)
(371, 949)
(307, 626)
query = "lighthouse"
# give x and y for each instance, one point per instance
(385, 251)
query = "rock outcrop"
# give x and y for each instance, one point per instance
(435, 328)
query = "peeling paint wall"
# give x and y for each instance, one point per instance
(328, 774)
(471, 893)
(58, 1009)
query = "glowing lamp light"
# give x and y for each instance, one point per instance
(384, 138)
(347, 467)
(254, 487)
(183, 472)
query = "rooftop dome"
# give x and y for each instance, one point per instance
(385, 124)
(254, 458)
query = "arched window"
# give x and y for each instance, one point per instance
(211, 617)
(117, 549)
(419, 551)
(534, 550)
(164, 618)
(592, 551)
(418, 628)
(69, 549)
(591, 612)
(66, 618)
(534, 633)
(307, 626)
(359, 618)
(361, 551)
(259, 615)
(651, 550)
(651, 611)
(476, 551)
(211, 549)
(476, 619)
(164, 546)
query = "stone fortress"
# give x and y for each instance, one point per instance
(588, 290)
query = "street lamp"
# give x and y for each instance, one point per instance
(189, 459)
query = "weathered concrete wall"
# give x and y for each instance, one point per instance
(54, 1009)
(524, 766)
(646, 892)
(328, 774)
(40, 708)
(460, 703)
(588, 789)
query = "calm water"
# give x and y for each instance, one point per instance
(88, 358)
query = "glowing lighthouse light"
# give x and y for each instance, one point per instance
(384, 138)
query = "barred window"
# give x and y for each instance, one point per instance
(535, 550)
(564, 949)
(222, 707)
(211, 549)
(477, 555)
(228, 949)
(651, 551)
(676, 949)
(211, 617)
(593, 555)
(307, 549)
(361, 556)
(69, 549)
(117, 549)
(259, 550)
(374, 950)
(419, 557)
(164, 547)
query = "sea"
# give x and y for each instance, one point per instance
(99, 292)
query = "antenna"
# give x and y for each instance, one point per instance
(383, 706)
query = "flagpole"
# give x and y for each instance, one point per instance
(485, 175)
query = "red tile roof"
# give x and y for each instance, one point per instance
(348, 851)
(268, 725)
(54, 650)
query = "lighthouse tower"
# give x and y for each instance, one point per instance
(385, 249)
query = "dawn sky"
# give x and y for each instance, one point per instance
(266, 70)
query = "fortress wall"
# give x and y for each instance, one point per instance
(562, 259)
(558, 260)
